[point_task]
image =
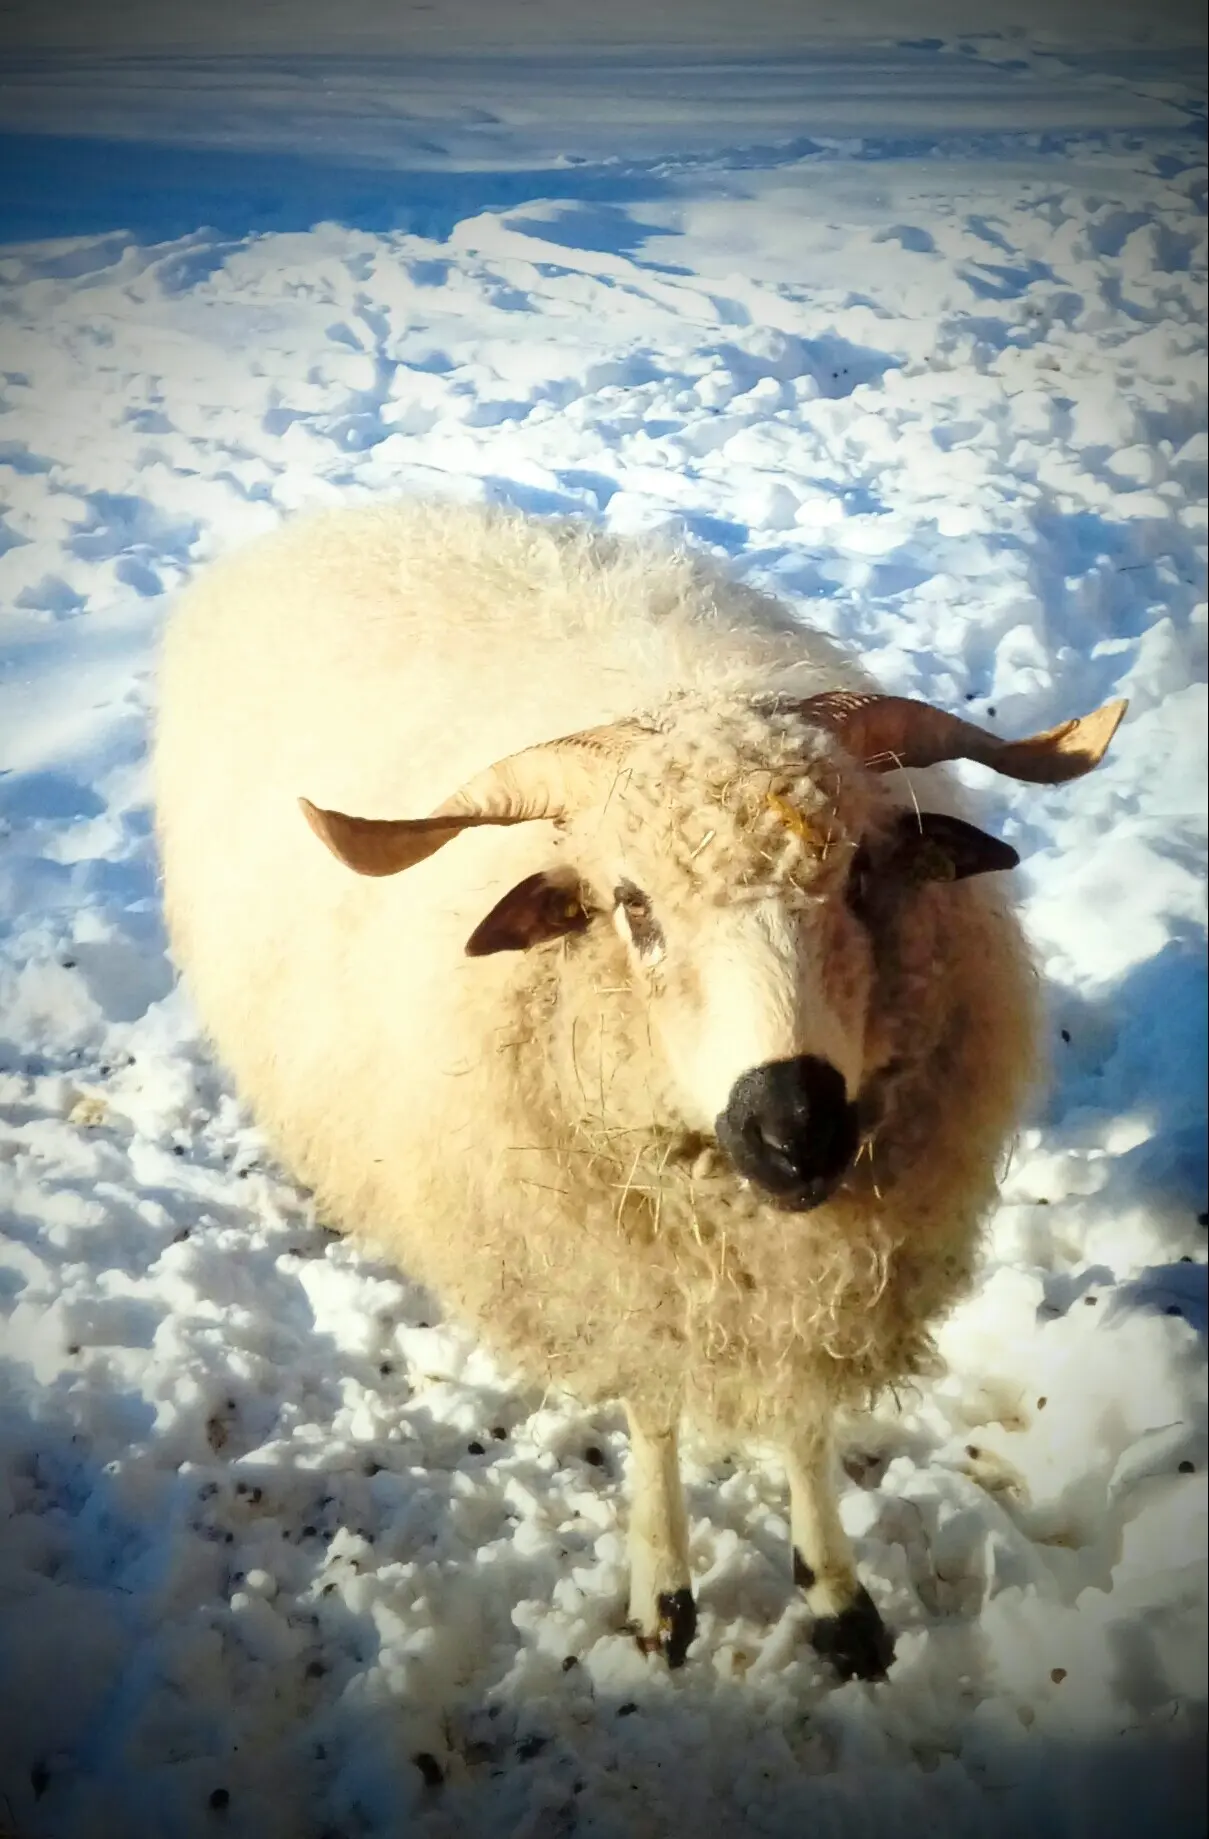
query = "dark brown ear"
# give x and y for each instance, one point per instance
(543, 906)
(928, 846)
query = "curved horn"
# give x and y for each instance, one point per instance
(887, 732)
(552, 780)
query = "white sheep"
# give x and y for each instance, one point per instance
(682, 1074)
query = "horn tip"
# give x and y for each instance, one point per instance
(316, 818)
(1097, 729)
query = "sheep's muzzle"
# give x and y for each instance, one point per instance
(789, 1128)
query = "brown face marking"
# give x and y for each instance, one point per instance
(644, 929)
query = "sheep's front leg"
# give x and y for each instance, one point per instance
(847, 1626)
(662, 1612)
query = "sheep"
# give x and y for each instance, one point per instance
(600, 943)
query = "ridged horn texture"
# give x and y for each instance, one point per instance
(553, 780)
(887, 732)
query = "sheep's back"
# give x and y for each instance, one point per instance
(371, 660)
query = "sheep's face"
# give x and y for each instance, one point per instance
(724, 857)
(758, 1009)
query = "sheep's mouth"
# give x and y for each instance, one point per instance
(785, 1188)
(803, 1196)
(805, 1200)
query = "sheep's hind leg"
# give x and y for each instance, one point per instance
(847, 1627)
(663, 1614)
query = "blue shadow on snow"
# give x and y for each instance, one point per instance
(60, 186)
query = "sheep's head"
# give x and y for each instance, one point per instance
(748, 854)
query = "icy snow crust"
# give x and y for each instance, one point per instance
(269, 1531)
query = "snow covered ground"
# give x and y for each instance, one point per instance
(913, 329)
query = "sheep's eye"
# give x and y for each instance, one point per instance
(632, 901)
(641, 923)
(859, 890)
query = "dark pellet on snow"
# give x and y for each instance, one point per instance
(220, 1798)
(1057, 1674)
(1173, 1309)
(308, 1532)
(1203, 1219)
(178, 1149)
(475, 1449)
(569, 1662)
(178, 1238)
(1065, 1033)
(315, 1669)
(386, 1368)
(1089, 1302)
(595, 1456)
(1042, 1403)
(429, 1768)
(624, 1711)
(1187, 1468)
(499, 1433)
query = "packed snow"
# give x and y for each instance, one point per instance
(912, 330)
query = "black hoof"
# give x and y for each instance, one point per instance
(677, 1626)
(856, 1641)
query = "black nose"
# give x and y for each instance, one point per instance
(790, 1128)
